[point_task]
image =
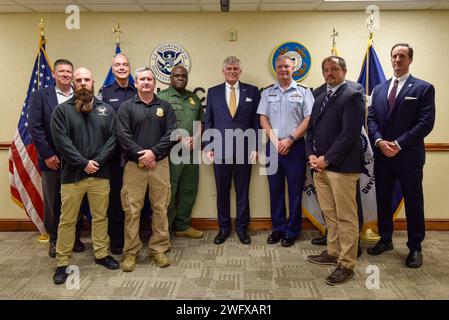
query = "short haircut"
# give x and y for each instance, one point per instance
(232, 60)
(410, 49)
(62, 62)
(283, 57)
(120, 54)
(179, 66)
(340, 60)
(143, 69)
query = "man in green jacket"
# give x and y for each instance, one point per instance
(184, 176)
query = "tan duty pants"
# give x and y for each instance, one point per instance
(135, 182)
(337, 198)
(72, 194)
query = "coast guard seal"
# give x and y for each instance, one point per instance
(300, 56)
(165, 57)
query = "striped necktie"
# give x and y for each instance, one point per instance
(326, 99)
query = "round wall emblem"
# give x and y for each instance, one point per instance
(300, 56)
(165, 57)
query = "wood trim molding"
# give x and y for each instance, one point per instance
(212, 224)
(429, 146)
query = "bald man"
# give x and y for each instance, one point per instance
(83, 130)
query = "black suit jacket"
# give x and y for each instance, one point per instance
(335, 132)
(408, 122)
(41, 106)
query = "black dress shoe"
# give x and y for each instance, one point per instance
(275, 237)
(380, 247)
(320, 241)
(414, 259)
(108, 262)
(221, 237)
(244, 237)
(78, 246)
(287, 241)
(52, 249)
(60, 275)
(116, 250)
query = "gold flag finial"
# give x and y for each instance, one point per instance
(116, 30)
(334, 43)
(42, 31)
(370, 25)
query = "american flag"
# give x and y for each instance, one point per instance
(24, 173)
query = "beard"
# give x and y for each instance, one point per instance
(83, 100)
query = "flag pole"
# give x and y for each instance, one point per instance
(368, 234)
(42, 237)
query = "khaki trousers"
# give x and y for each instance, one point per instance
(337, 198)
(72, 194)
(135, 182)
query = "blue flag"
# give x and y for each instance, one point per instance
(110, 77)
(371, 74)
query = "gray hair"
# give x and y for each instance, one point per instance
(232, 60)
(120, 54)
(143, 69)
(283, 57)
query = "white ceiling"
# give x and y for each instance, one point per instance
(7, 6)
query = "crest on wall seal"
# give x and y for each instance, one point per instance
(165, 57)
(300, 56)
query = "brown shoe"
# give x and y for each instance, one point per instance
(323, 258)
(161, 259)
(339, 276)
(190, 233)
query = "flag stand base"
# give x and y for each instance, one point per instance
(369, 235)
(43, 238)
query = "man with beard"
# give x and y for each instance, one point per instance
(114, 95)
(145, 124)
(42, 104)
(84, 133)
(335, 154)
(184, 176)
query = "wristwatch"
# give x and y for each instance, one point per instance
(292, 138)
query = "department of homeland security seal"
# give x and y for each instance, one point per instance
(165, 57)
(300, 56)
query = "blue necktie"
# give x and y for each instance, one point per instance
(326, 99)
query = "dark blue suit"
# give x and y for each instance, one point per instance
(42, 103)
(410, 120)
(218, 117)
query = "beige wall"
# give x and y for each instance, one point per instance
(203, 35)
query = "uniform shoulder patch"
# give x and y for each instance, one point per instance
(263, 89)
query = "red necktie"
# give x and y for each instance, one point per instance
(392, 95)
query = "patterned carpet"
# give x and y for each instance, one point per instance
(202, 270)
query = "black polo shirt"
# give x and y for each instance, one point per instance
(145, 126)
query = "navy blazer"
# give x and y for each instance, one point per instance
(41, 106)
(335, 132)
(218, 116)
(408, 122)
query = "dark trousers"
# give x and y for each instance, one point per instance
(292, 167)
(409, 176)
(51, 187)
(116, 216)
(223, 179)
